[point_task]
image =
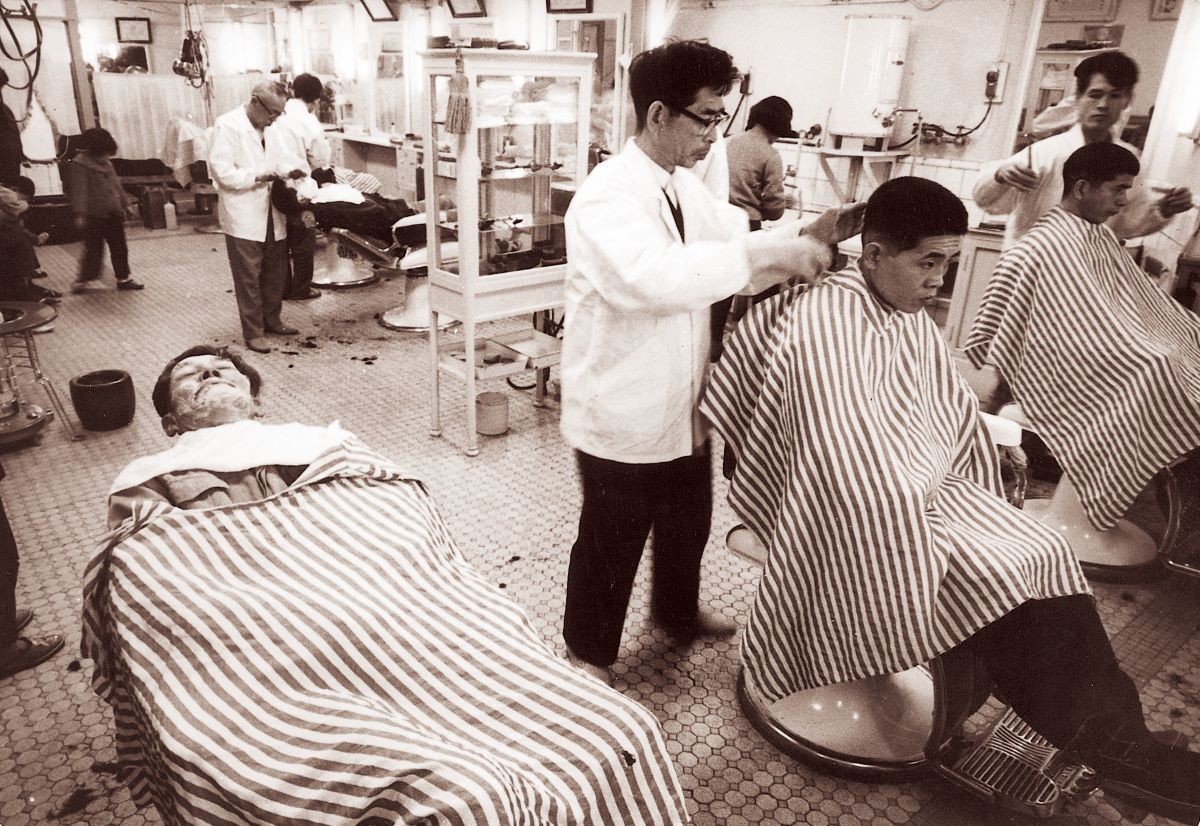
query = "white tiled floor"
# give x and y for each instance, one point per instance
(513, 511)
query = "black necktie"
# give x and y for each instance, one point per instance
(677, 214)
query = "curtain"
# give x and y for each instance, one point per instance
(390, 105)
(230, 91)
(138, 108)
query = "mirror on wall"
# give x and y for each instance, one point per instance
(1143, 31)
(603, 36)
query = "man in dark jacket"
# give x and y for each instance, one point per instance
(11, 152)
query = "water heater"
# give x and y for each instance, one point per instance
(872, 69)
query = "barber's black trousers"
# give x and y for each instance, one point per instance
(301, 243)
(622, 505)
(100, 230)
(1052, 662)
(8, 581)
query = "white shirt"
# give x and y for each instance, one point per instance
(236, 157)
(636, 341)
(1139, 217)
(296, 140)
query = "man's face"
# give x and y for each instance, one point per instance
(691, 133)
(1099, 202)
(207, 391)
(263, 113)
(1101, 104)
(908, 281)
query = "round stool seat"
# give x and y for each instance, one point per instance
(19, 316)
(1124, 553)
(873, 729)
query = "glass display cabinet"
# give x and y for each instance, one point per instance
(495, 237)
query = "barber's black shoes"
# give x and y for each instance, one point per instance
(258, 344)
(27, 652)
(307, 295)
(1163, 779)
(282, 330)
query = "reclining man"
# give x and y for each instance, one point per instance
(864, 467)
(1105, 365)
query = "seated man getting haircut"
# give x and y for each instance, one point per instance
(1105, 365)
(208, 397)
(865, 468)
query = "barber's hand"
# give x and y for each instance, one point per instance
(42, 238)
(1175, 201)
(297, 174)
(776, 257)
(1018, 176)
(266, 178)
(836, 224)
(308, 219)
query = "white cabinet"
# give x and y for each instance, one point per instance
(980, 252)
(501, 251)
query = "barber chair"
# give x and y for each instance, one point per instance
(413, 314)
(346, 269)
(896, 727)
(1124, 553)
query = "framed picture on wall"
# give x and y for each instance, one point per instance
(133, 30)
(379, 10)
(1165, 9)
(1082, 11)
(569, 6)
(467, 8)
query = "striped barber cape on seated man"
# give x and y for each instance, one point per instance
(327, 655)
(1105, 365)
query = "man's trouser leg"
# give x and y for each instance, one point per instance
(113, 227)
(246, 263)
(301, 242)
(1053, 663)
(682, 520)
(9, 564)
(273, 278)
(613, 525)
(93, 250)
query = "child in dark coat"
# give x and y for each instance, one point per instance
(98, 202)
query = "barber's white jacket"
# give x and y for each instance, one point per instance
(296, 140)
(636, 341)
(236, 156)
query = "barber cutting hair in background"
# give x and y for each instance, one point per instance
(650, 249)
(255, 232)
(1029, 184)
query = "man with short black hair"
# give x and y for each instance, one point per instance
(650, 248)
(296, 145)
(255, 233)
(1029, 184)
(864, 467)
(1105, 365)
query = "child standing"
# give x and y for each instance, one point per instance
(98, 203)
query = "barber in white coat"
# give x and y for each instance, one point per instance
(296, 145)
(255, 232)
(649, 249)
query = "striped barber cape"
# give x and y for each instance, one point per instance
(864, 467)
(327, 656)
(1105, 365)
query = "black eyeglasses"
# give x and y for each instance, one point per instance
(709, 123)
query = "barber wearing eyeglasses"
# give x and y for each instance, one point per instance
(649, 250)
(255, 232)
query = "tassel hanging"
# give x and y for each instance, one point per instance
(458, 104)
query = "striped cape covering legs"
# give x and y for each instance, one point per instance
(863, 465)
(327, 656)
(1105, 365)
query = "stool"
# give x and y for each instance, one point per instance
(1124, 553)
(344, 270)
(18, 418)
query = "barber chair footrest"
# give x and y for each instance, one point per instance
(1016, 768)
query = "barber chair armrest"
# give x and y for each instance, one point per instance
(355, 244)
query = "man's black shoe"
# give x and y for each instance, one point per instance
(1159, 778)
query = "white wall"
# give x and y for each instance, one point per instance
(1146, 41)
(795, 50)
(98, 28)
